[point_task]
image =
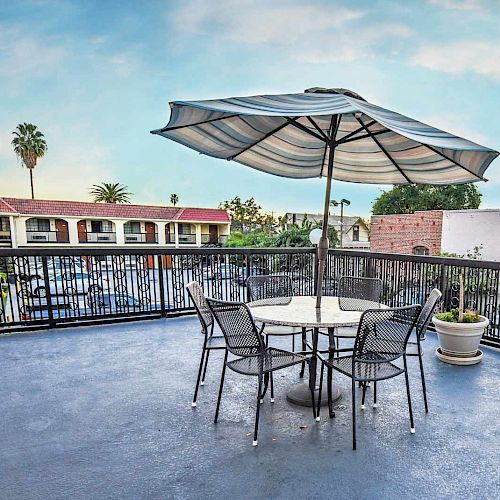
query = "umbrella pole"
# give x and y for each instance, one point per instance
(323, 241)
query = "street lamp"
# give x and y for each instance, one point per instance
(343, 202)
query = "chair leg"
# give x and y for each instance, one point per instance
(363, 396)
(193, 404)
(329, 378)
(353, 391)
(256, 430)
(412, 425)
(293, 343)
(375, 394)
(422, 377)
(264, 390)
(318, 410)
(303, 365)
(220, 388)
(272, 387)
(205, 369)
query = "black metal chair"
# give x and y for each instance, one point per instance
(357, 294)
(211, 341)
(381, 339)
(244, 340)
(423, 320)
(270, 286)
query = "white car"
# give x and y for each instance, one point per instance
(68, 283)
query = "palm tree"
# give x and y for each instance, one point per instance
(29, 145)
(108, 192)
(174, 199)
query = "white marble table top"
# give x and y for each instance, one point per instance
(301, 311)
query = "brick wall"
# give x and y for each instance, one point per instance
(403, 232)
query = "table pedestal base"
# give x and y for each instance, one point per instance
(300, 394)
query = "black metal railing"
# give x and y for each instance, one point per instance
(49, 287)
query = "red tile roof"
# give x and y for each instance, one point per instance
(202, 215)
(110, 210)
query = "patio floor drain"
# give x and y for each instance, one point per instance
(339, 407)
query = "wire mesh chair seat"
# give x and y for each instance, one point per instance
(372, 371)
(271, 359)
(381, 339)
(211, 341)
(245, 341)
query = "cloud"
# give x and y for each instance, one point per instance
(312, 33)
(24, 54)
(482, 58)
(458, 4)
(260, 21)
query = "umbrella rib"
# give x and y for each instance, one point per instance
(269, 134)
(352, 139)
(453, 161)
(318, 128)
(293, 122)
(168, 129)
(350, 134)
(388, 156)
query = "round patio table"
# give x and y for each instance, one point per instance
(302, 312)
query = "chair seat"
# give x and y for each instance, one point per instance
(280, 330)
(273, 359)
(364, 371)
(216, 342)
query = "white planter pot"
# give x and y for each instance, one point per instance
(460, 339)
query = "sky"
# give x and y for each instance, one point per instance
(96, 77)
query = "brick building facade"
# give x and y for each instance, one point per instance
(418, 233)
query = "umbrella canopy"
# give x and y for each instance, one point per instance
(290, 135)
(333, 133)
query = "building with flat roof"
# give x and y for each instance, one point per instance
(26, 222)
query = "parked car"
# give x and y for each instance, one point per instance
(222, 271)
(68, 283)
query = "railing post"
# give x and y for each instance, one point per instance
(247, 274)
(442, 285)
(48, 296)
(162, 287)
(315, 269)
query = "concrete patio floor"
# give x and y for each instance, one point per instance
(105, 412)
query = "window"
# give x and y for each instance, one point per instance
(132, 228)
(184, 228)
(355, 233)
(420, 250)
(101, 226)
(37, 225)
(4, 224)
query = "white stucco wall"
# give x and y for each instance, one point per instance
(465, 229)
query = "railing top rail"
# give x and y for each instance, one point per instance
(101, 251)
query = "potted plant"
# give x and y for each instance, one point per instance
(460, 332)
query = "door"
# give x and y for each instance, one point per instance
(167, 234)
(62, 235)
(214, 233)
(82, 231)
(150, 232)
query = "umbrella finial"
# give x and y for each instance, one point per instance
(323, 90)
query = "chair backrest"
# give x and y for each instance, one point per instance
(201, 305)
(269, 286)
(383, 333)
(238, 327)
(427, 311)
(356, 293)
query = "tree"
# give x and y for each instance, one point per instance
(174, 199)
(110, 193)
(29, 145)
(247, 215)
(409, 199)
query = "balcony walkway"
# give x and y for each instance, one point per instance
(105, 412)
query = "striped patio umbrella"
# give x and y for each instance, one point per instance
(332, 133)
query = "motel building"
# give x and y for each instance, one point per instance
(26, 223)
